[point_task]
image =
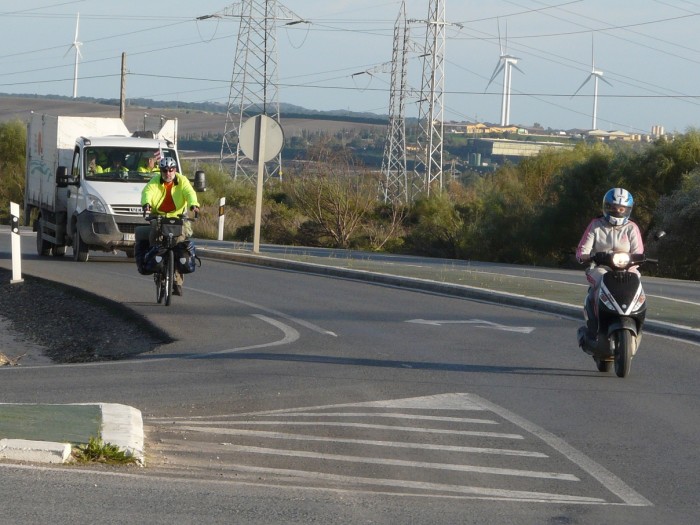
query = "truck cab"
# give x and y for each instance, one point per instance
(104, 187)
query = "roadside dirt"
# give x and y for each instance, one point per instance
(43, 321)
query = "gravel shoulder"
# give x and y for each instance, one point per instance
(43, 322)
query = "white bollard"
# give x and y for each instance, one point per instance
(16, 245)
(222, 202)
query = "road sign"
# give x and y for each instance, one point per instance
(261, 127)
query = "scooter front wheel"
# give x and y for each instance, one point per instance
(624, 346)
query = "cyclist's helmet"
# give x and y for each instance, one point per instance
(167, 162)
(617, 206)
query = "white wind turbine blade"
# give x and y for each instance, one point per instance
(512, 64)
(78, 56)
(600, 76)
(499, 67)
(583, 84)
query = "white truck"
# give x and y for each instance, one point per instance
(84, 180)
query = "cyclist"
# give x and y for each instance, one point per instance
(169, 194)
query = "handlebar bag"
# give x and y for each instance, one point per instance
(171, 225)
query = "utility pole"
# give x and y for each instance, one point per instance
(394, 161)
(122, 90)
(254, 82)
(428, 166)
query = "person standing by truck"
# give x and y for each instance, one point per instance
(168, 194)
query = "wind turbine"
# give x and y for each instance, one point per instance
(76, 44)
(596, 74)
(506, 63)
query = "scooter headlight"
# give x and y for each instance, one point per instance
(621, 260)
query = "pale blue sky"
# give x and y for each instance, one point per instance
(647, 49)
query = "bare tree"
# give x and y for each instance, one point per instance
(335, 195)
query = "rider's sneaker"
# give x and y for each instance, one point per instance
(177, 289)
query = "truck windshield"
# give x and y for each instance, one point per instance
(123, 164)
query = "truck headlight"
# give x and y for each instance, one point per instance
(94, 203)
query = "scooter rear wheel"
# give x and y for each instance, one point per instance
(624, 342)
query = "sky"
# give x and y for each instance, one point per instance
(338, 55)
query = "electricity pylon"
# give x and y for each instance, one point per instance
(254, 81)
(428, 166)
(395, 184)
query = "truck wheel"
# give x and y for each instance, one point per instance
(80, 249)
(43, 247)
(59, 251)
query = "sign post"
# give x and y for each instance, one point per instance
(16, 245)
(261, 139)
(222, 202)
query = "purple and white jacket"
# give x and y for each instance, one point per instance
(601, 236)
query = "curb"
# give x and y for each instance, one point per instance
(121, 425)
(34, 451)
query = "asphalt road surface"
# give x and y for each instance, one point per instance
(292, 398)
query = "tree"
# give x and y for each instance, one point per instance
(335, 195)
(13, 137)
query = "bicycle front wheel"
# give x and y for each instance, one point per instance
(160, 286)
(170, 276)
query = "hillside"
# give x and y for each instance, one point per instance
(192, 122)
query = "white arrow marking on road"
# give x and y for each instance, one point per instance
(479, 323)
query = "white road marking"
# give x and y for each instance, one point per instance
(453, 402)
(395, 444)
(364, 425)
(271, 311)
(481, 492)
(400, 463)
(478, 323)
(290, 335)
(390, 415)
(604, 476)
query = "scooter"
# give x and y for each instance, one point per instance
(618, 316)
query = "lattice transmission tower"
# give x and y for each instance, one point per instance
(254, 81)
(428, 164)
(395, 183)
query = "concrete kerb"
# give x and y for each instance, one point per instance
(457, 290)
(121, 425)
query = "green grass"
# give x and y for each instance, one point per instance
(97, 451)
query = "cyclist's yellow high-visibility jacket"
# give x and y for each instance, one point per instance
(182, 192)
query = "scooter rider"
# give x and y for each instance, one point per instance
(610, 233)
(168, 194)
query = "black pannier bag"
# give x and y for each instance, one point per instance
(186, 257)
(153, 260)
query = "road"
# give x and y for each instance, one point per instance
(293, 398)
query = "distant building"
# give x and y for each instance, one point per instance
(500, 151)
